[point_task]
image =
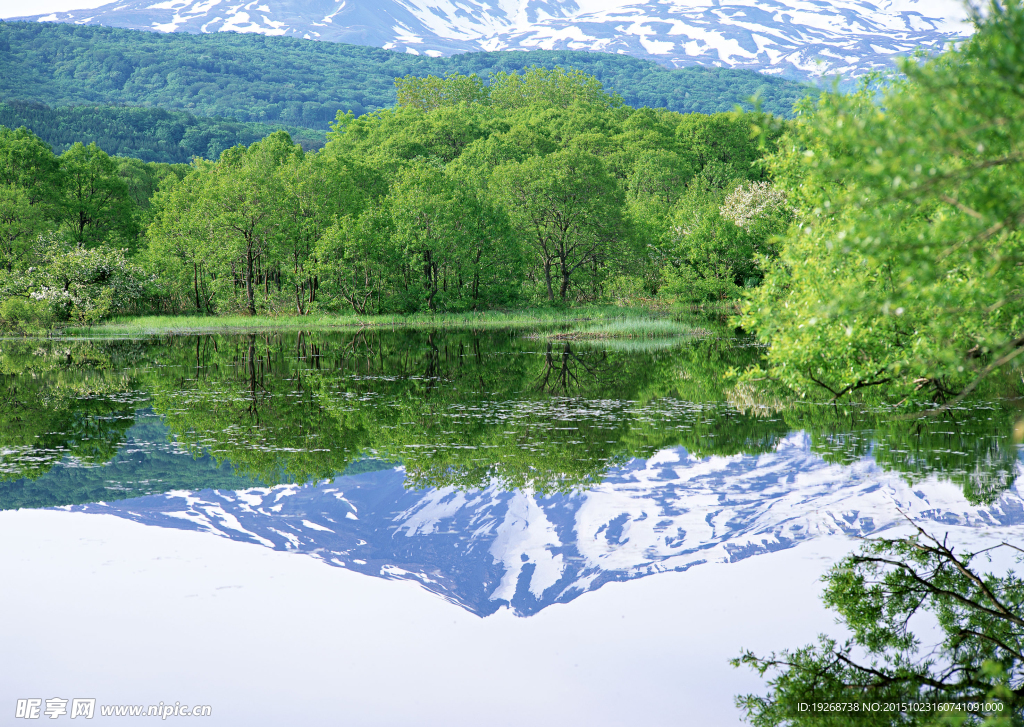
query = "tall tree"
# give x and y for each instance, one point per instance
(448, 237)
(183, 250)
(569, 208)
(20, 223)
(27, 162)
(247, 204)
(97, 206)
(321, 189)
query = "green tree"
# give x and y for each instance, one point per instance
(20, 223)
(77, 283)
(569, 210)
(27, 162)
(431, 92)
(248, 204)
(903, 273)
(974, 675)
(30, 186)
(183, 251)
(721, 241)
(320, 190)
(232, 215)
(358, 262)
(557, 87)
(96, 205)
(453, 242)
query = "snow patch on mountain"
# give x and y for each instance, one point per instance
(804, 38)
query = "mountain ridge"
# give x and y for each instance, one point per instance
(803, 39)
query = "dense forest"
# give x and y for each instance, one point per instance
(149, 134)
(536, 188)
(304, 83)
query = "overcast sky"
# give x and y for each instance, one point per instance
(17, 8)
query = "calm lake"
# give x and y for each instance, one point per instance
(442, 528)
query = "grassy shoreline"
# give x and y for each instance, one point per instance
(524, 318)
(630, 329)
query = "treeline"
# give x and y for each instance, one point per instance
(149, 134)
(544, 189)
(304, 83)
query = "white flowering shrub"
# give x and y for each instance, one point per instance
(77, 283)
(752, 202)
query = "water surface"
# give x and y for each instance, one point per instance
(500, 474)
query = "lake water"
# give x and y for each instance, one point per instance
(450, 528)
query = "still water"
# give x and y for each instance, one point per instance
(405, 527)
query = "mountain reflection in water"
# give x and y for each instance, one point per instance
(489, 548)
(530, 471)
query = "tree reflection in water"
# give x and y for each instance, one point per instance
(456, 408)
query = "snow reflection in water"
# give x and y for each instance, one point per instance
(489, 548)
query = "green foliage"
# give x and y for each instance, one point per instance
(459, 251)
(20, 223)
(902, 274)
(972, 675)
(149, 134)
(431, 92)
(68, 228)
(568, 209)
(537, 86)
(722, 240)
(26, 162)
(75, 283)
(541, 186)
(97, 205)
(454, 202)
(304, 83)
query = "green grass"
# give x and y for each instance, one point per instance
(632, 328)
(527, 318)
(631, 345)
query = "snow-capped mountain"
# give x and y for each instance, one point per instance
(491, 548)
(804, 38)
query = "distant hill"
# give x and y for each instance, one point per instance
(149, 134)
(302, 83)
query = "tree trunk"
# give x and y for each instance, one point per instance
(431, 281)
(195, 283)
(250, 292)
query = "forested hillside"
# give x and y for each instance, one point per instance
(251, 77)
(149, 134)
